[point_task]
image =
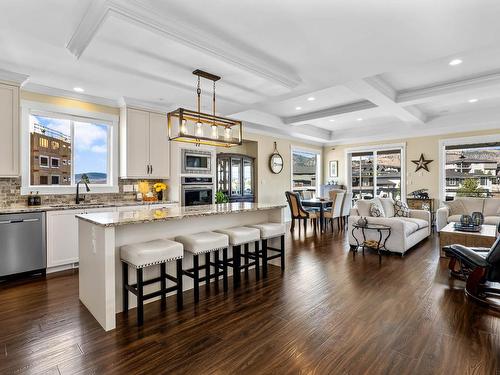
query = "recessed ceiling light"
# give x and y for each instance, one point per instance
(78, 89)
(311, 98)
(473, 100)
(359, 119)
(455, 62)
(298, 108)
(332, 120)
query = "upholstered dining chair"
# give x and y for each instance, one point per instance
(484, 270)
(297, 211)
(346, 208)
(335, 212)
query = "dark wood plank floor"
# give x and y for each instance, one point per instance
(329, 313)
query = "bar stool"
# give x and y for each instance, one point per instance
(241, 236)
(267, 232)
(146, 254)
(205, 243)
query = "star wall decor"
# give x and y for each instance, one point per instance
(422, 163)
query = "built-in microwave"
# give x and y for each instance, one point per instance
(195, 161)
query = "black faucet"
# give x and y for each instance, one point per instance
(85, 180)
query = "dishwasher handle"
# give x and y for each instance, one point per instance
(16, 221)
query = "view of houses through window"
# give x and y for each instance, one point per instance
(376, 173)
(61, 150)
(472, 170)
(305, 173)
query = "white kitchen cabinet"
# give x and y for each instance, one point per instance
(62, 235)
(9, 128)
(144, 144)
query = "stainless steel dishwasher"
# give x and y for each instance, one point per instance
(22, 243)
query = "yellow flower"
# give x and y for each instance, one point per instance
(160, 186)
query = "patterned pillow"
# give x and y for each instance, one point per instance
(401, 209)
(376, 210)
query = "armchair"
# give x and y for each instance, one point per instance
(482, 268)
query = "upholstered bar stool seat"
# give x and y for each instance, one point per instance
(205, 243)
(242, 236)
(146, 254)
(269, 231)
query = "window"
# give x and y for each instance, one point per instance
(305, 172)
(376, 172)
(54, 162)
(44, 161)
(75, 141)
(43, 142)
(471, 168)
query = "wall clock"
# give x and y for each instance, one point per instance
(276, 161)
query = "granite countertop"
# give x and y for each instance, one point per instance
(74, 206)
(112, 219)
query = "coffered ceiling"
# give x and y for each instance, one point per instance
(328, 72)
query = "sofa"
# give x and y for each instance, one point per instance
(406, 232)
(453, 210)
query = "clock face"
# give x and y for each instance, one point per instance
(276, 163)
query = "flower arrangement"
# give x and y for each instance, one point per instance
(160, 187)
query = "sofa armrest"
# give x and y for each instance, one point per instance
(421, 214)
(442, 217)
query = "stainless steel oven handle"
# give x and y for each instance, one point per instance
(18, 221)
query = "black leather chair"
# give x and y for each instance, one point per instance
(483, 268)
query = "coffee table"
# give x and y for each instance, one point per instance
(449, 236)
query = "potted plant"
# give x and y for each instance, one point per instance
(220, 197)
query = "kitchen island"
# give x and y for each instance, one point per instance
(102, 234)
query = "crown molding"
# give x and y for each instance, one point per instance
(329, 112)
(17, 79)
(141, 14)
(148, 105)
(433, 92)
(52, 91)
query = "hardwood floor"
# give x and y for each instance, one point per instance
(330, 313)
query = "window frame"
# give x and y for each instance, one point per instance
(40, 161)
(73, 114)
(58, 162)
(443, 143)
(319, 162)
(374, 149)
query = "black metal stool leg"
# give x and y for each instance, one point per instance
(247, 259)
(257, 260)
(196, 278)
(264, 257)
(125, 284)
(216, 271)
(163, 283)
(236, 266)
(179, 273)
(224, 269)
(282, 240)
(140, 295)
(207, 271)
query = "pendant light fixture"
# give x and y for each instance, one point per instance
(196, 127)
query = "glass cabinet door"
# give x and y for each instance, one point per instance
(223, 175)
(235, 176)
(247, 177)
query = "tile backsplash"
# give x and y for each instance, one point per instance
(10, 194)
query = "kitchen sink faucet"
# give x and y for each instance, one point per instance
(85, 180)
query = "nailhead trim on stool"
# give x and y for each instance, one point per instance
(205, 243)
(146, 254)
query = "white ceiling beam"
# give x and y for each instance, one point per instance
(141, 14)
(440, 91)
(384, 96)
(299, 133)
(329, 112)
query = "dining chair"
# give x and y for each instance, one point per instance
(335, 212)
(297, 211)
(346, 208)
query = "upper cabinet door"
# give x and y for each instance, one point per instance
(159, 146)
(9, 127)
(137, 149)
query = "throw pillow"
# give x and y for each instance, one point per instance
(388, 206)
(401, 209)
(376, 210)
(363, 207)
(456, 207)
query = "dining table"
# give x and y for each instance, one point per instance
(322, 204)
